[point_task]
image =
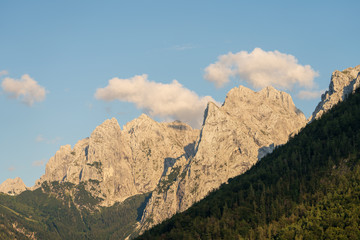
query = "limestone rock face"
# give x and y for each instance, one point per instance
(13, 186)
(341, 85)
(117, 164)
(232, 139)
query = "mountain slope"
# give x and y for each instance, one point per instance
(296, 192)
(66, 211)
(233, 138)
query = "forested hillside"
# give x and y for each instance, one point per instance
(66, 211)
(306, 189)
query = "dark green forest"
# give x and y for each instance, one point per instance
(66, 211)
(306, 189)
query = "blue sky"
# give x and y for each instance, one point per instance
(72, 48)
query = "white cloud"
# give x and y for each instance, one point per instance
(54, 140)
(39, 163)
(310, 94)
(167, 101)
(260, 69)
(41, 138)
(11, 169)
(183, 47)
(25, 89)
(3, 72)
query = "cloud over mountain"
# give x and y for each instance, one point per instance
(260, 68)
(25, 89)
(167, 101)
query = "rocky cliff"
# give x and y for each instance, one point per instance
(115, 164)
(13, 186)
(232, 139)
(341, 85)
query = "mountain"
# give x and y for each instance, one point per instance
(308, 188)
(168, 166)
(342, 84)
(119, 163)
(119, 182)
(13, 186)
(116, 164)
(233, 138)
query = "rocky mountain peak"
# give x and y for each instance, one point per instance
(13, 186)
(210, 111)
(270, 90)
(143, 121)
(145, 117)
(238, 93)
(65, 148)
(242, 97)
(110, 122)
(108, 128)
(339, 79)
(341, 85)
(278, 96)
